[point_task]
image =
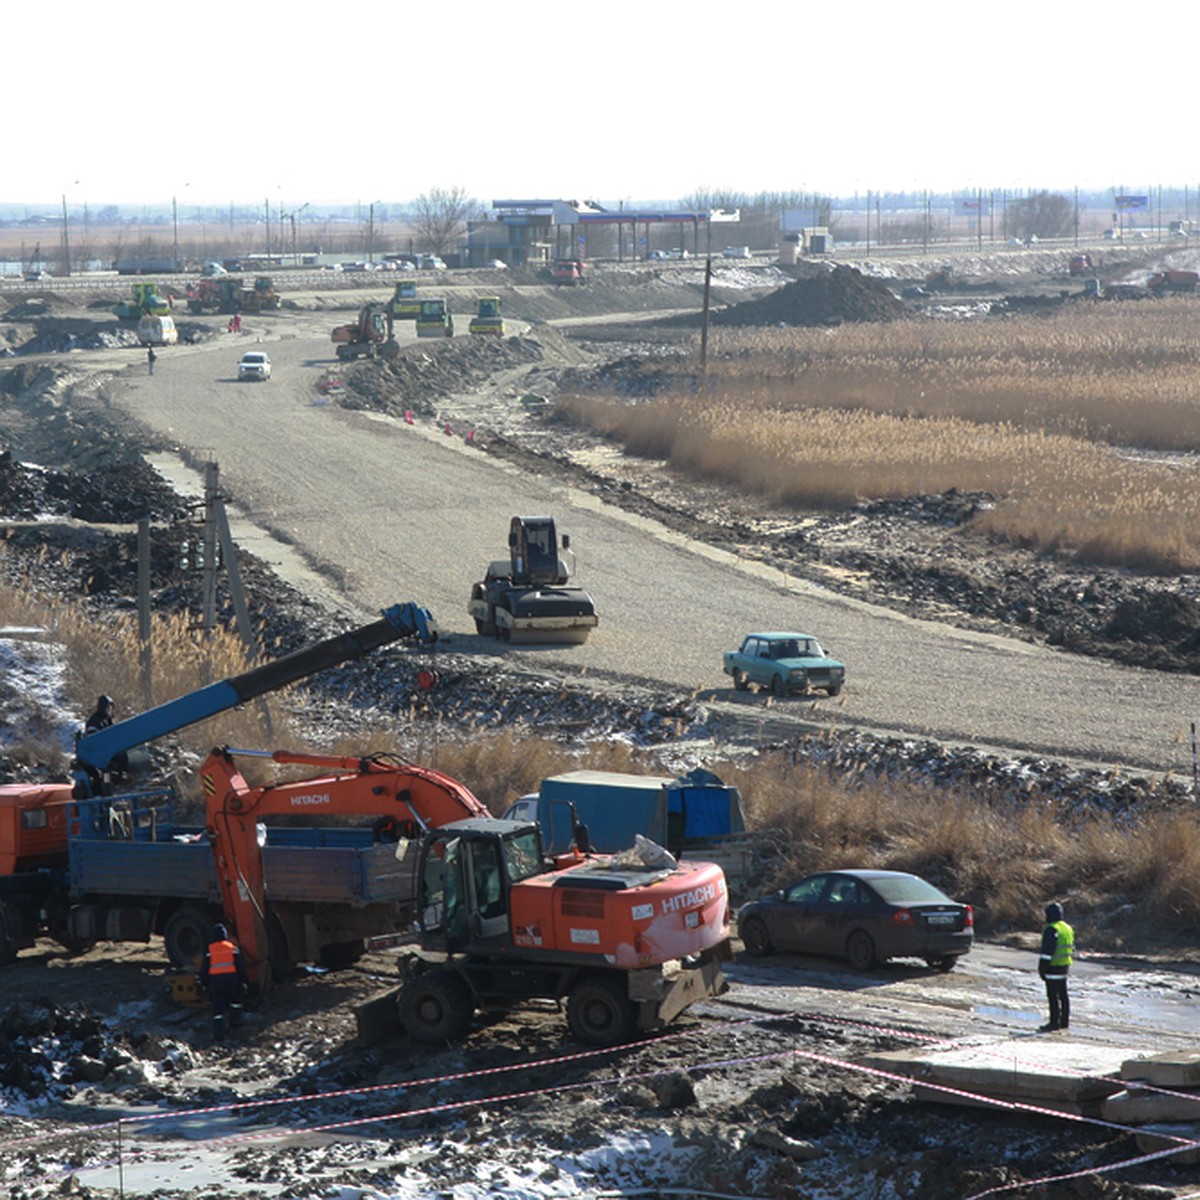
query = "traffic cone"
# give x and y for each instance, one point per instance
(408, 417)
(448, 431)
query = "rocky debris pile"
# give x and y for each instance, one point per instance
(427, 373)
(118, 493)
(1146, 621)
(858, 759)
(49, 1052)
(468, 698)
(842, 294)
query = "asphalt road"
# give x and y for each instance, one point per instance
(386, 512)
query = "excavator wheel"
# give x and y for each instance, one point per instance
(600, 1013)
(437, 1007)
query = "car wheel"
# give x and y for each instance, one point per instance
(860, 950)
(600, 1013)
(436, 1008)
(835, 690)
(741, 681)
(943, 964)
(777, 688)
(755, 938)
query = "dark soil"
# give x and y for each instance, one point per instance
(829, 298)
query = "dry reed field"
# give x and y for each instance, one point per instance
(1066, 419)
(1002, 856)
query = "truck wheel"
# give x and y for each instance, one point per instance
(600, 1013)
(186, 936)
(860, 950)
(340, 955)
(756, 939)
(8, 948)
(437, 1007)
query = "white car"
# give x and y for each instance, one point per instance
(254, 365)
(736, 252)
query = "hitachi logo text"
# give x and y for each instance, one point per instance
(692, 899)
(315, 798)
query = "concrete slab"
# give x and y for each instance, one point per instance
(1144, 1108)
(1172, 1068)
(1162, 1137)
(1050, 1072)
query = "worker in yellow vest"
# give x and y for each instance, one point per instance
(1054, 962)
(223, 976)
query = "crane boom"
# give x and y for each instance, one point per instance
(97, 750)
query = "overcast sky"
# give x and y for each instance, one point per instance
(293, 103)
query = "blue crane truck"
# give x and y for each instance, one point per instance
(79, 865)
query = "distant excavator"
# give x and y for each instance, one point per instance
(371, 335)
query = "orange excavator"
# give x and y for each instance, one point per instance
(628, 941)
(402, 799)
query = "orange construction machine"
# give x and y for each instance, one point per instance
(628, 943)
(400, 799)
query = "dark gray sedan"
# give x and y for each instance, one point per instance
(865, 916)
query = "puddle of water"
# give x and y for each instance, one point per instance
(997, 1013)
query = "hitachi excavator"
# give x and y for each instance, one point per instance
(627, 941)
(528, 597)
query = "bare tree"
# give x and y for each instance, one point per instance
(441, 215)
(1040, 214)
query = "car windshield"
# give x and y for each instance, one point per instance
(795, 648)
(908, 889)
(255, 358)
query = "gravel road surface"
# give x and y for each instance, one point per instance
(385, 512)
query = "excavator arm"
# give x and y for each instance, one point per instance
(404, 800)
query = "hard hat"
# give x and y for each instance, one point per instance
(1054, 912)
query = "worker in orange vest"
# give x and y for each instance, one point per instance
(223, 976)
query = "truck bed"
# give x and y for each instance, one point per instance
(130, 846)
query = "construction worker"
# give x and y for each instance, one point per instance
(150, 357)
(223, 977)
(1054, 961)
(101, 716)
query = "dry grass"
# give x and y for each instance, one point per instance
(103, 655)
(1124, 881)
(1038, 411)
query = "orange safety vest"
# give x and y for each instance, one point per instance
(220, 958)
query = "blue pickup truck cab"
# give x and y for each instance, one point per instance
(784, 663)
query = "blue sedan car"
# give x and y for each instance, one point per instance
(784, 663)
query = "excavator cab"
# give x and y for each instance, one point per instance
(467, 871)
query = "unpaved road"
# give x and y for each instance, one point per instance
(391, 512)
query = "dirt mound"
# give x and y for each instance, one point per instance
(843, 294)
(426, 374)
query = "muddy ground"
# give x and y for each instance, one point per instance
(79, 1036)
